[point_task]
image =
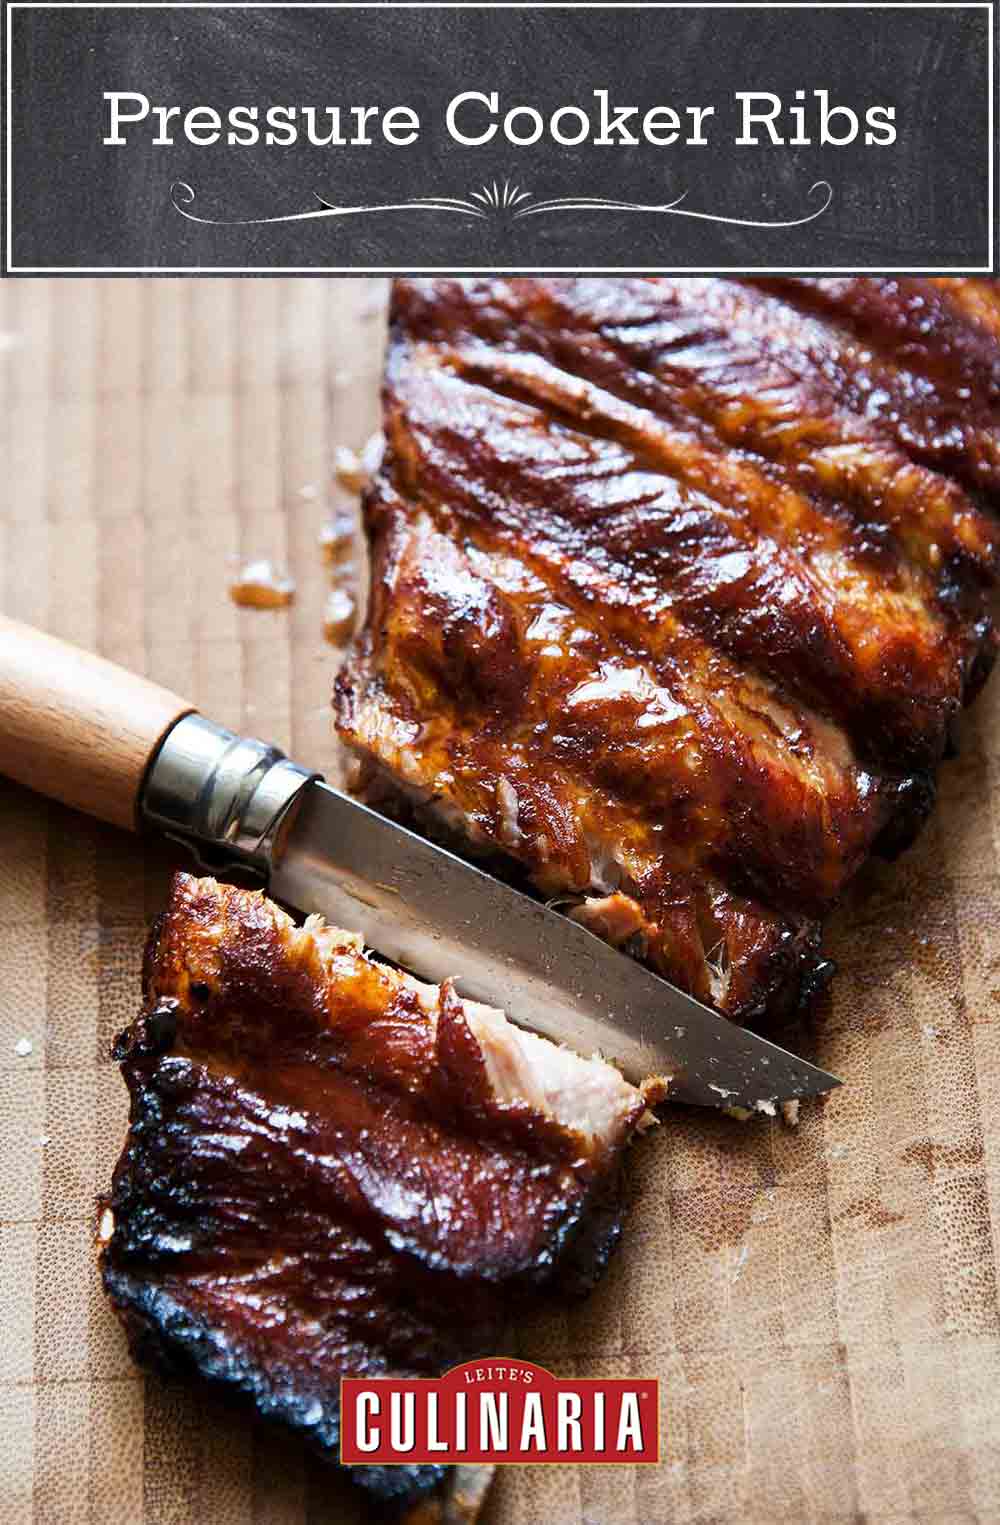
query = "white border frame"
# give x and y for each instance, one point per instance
(456, 5)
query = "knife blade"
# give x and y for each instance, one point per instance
(437, 915)
(114, 744)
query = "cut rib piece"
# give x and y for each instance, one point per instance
(674, 596)
(326, 1157)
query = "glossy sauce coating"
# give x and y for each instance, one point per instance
(677, 588)
(325, 1160)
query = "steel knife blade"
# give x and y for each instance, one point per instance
(437, 915)
(109, 742)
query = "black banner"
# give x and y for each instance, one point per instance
(526, 137)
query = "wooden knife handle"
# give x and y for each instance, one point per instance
(76, 727)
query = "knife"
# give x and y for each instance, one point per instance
(108, 742)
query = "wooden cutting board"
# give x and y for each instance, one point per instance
(819, 1305)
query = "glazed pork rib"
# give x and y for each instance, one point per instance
(326, 1159)
(677, 588)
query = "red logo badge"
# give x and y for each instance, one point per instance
(499, 1410)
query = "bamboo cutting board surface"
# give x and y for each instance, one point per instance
(820, 1305)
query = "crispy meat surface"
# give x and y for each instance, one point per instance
(677, 588)
(325, 1159)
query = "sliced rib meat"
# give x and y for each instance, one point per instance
(326, 1159)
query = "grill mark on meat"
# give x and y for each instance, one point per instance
(454, 762)
(461, 750)
(688, 351)
(895, 395)
(468, 761)
(944, 596)
(911, 320)
(932, 393)
(738, 387)
(807, 596)
(756, 702)
(696, 703)
(709, 532)
(325, 1158)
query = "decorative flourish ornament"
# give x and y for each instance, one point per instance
(493, 201)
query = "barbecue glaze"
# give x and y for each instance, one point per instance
(677, 589)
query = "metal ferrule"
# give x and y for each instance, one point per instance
(224, 795)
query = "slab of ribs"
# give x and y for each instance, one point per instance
(678, 587)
